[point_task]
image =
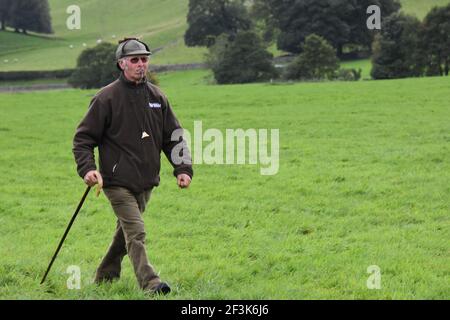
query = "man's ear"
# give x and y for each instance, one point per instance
(122, 64)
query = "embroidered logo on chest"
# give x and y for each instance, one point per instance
(154, 105)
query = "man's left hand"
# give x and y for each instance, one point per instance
(183, 180)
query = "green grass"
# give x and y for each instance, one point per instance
(363, 180)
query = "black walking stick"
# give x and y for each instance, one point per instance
(67, 231)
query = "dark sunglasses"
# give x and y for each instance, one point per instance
(136, 60)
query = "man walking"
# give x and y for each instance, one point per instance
(131, 122)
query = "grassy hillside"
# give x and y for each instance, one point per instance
(160, 22)
(363, 180)
(421, 7)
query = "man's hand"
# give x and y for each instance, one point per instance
(92, 178)
(183, 180)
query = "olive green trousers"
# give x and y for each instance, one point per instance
(129, 238)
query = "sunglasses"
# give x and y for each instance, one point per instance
(136, 60)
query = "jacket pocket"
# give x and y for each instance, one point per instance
(115, 167)
(108, 159)
(127, 172)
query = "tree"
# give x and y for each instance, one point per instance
(263, 19)
(96, 67)
(241, 60)
(340, 22)
(435, 39)
(298, 19)
(395, 49)
(357, 18)
(317, 61)
(208, 19)
(30, 15)
(5, 8)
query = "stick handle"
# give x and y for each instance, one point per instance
(66, 232)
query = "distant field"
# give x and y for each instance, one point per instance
(363, 180)
(160, 23)
(31, 82)
(421, 7)
(364, 64)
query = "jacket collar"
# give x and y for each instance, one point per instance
(132, 84)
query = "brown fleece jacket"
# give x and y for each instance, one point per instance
(130, 124)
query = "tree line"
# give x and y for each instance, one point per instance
(26, 15)
(408, 47)
(237, 33)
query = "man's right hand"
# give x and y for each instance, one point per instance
(92, 178)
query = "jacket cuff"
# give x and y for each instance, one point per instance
(186, 170)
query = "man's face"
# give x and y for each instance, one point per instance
(135, 67)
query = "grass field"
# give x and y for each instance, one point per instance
(161, 23)
(363, 180)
